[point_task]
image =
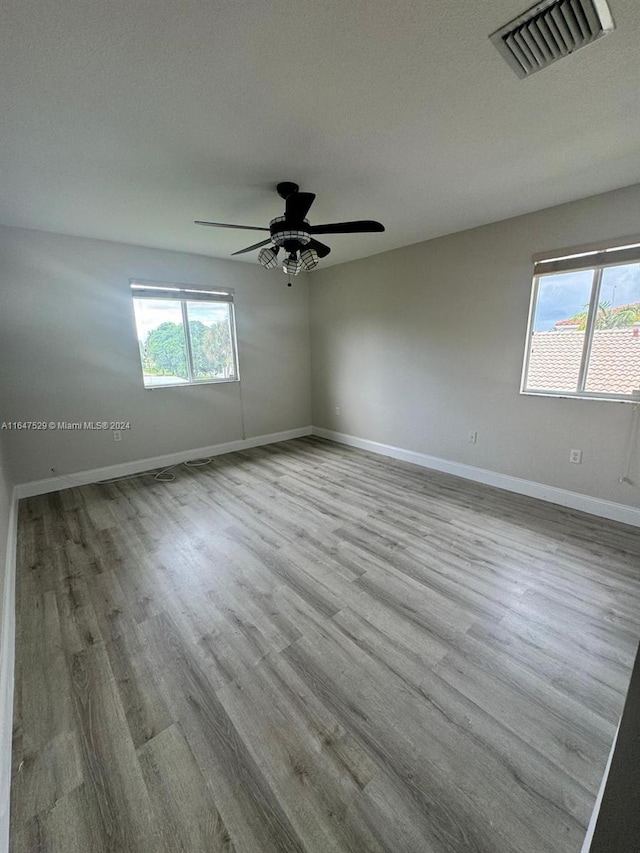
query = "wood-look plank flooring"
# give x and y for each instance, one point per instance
(311, 649)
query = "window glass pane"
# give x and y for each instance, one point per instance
(559, 322)
(163, 350)
(614, 364)
(211, 340)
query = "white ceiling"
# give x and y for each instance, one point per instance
(128, 119)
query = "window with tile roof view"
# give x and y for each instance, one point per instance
(584, 335)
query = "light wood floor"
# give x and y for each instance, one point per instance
(304, 647)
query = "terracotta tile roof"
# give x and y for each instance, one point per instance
(614, 365)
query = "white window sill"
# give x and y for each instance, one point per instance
(567, 395)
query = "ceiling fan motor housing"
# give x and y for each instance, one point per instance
(292, 239)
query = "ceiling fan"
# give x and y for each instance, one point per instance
(293, 233)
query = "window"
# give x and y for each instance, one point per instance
(584, 324)
(186, 336)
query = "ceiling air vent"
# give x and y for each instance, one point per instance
(551, 30)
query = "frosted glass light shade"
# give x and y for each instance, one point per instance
(291, 266)
(268, 257)
(309, 259)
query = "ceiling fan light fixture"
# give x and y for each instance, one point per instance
(291, 265)
(268, 257)
(309, 259)
(281, 231)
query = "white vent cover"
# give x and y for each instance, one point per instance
(551, 30)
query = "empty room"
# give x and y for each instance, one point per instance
(326, 541)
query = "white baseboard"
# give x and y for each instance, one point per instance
(574, 500)
(109, 472)
(7, 660)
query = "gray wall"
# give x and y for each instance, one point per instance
(421, 345)
(69, 352)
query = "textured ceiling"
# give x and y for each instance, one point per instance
(128, 119)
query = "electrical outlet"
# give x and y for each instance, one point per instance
(337, 410)
(472, 437)
(575, 456)
(117, 435)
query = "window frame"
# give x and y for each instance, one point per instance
(143, 289)
(604, 256)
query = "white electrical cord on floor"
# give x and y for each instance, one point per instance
(242, 428)
(166, 475)
(160, 475)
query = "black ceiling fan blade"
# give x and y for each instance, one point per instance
(226, 225)
(297, 206)
(361, 226)
(320, 248)
(251, 248)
